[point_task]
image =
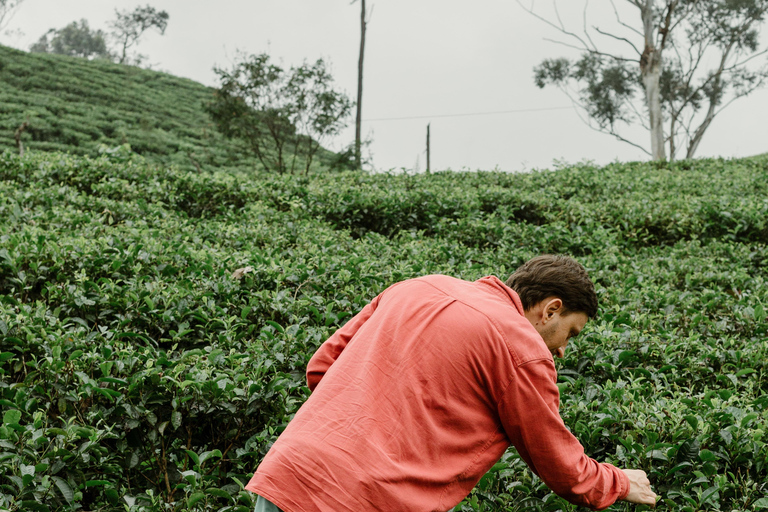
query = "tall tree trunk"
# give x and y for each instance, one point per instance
(693, 145)
(359, 118)
(650, 70)
(653, 99)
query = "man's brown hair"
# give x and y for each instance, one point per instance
(555, 276)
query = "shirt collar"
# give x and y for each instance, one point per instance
(505, 290)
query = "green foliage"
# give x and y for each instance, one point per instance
(609, 86)
(81, 106)
(277, 112)
(129, 26)
(78, 40)
(139, 371)
(84, 107)
(75, 40)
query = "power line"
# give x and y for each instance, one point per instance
(468, 114)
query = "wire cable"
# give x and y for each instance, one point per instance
(468, 114)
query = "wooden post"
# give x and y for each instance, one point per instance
(359, 116)
(17, 136)
(428, 147)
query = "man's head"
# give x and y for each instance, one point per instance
(558, 298)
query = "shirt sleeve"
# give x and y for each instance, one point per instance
(529, 411)
(329, 351)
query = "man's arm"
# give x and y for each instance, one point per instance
(330, 349)
(529, 410)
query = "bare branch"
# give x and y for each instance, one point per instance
(681, 18)
(618, 19)
(691, 72)
(575, 101)
(622, 139)
(600, 129)
(690, 53)
(741, 63)
(584, 25)
(702, 49)
(689, 124)
(567, 45)
(8, 11)
(702, 128)
(607, 34)
(689, 75)
(749, 91)
(593, 52)
(557, 14)
(642, 118)
(561, 28)
(717, 111)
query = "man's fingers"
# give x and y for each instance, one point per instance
(639, 488)
(649, 499)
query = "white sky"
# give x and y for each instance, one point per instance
(428, 58)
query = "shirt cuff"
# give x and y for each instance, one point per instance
(624, 485)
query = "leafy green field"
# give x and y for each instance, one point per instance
(81, 107)
(138, 372)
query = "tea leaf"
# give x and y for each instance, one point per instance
(64, 488)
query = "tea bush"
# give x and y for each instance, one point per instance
(82, 106)
(138, 373)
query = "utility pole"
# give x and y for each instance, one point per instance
(428, 147)
(359, 118)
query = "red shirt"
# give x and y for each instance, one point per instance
(417, 396)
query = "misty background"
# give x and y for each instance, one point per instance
(465, 68)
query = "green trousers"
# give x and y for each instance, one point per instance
(263, 505)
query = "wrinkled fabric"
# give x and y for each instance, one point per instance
(417, 396)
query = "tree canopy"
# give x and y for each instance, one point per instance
(129, 26)
(281, 115)
(683, 62)
(76, 40)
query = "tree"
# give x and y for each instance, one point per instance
(280, 115)
(7, 8)
(76, 40)
(128, 28)
(667, 76)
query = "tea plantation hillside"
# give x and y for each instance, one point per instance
(81, 106)
(139, 371)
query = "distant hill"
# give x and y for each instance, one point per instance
(76, 105)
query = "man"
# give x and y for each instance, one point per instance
(418, 395)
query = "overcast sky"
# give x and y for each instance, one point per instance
(433, 61)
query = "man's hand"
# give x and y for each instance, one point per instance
(639, 488)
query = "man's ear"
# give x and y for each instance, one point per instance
(553, 305)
